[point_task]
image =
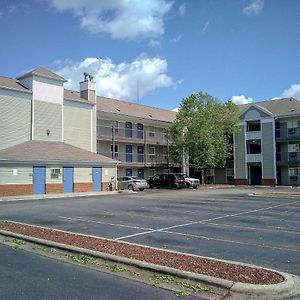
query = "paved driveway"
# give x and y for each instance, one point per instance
(225, 223)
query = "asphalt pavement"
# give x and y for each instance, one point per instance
(224, 223)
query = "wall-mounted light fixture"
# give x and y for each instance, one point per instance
(48, 132)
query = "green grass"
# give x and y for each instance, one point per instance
(42, 248)
(83, 259)
(181, 294)
(18, 242)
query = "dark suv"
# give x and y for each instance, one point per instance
(169, 180)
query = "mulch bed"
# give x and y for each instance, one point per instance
(183, 262)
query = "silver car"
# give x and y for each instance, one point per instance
(132, 183)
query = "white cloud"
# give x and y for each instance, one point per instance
(154, 43)
(241, 99)
(293, 91)
(119, 80)
(182, 10)
(176, 109)
(176, 39)
(204, 28)
(254, 8)
(121, 19)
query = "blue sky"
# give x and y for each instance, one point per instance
(247, 50)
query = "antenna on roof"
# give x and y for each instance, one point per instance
(86, 75)
(138, 92)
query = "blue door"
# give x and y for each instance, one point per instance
(140, 131)
(128, 172)
(39, 180)
(97, 179)
(68, 180)
(140, 153)
(140, 173)
(129, 153)
(128, 129)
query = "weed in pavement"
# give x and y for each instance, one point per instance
(18, 242)
(83, 259)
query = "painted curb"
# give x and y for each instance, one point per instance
(280, 290)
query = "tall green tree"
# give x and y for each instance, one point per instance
(203, 128)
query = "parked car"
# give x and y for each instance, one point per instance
(132, 183)
(169, 180)
(190, 182)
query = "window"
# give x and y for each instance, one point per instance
(151, 152)
(116, 153)
(253, 147)
(293, 147)
(55, 173)
(116, 126)
(253, 125)
(293, 171)
(151, 131)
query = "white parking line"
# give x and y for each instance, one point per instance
(207, 220)
(104, 223)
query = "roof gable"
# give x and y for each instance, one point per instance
(43, 72)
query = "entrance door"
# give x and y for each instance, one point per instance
(128, 172)
(97, 179)
(68, 180)
(140, 131)
(128, 129)
(255, 175)
(39, 180)
(129, 153)
(140, 173)
(140, 153)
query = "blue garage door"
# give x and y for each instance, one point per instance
(39, 180)
(68, 180)
(97, 179)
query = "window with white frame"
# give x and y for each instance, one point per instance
(293, 174)
(116, 152)
(293, 147)
(151, 152)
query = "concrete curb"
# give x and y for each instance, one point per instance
(289, 287)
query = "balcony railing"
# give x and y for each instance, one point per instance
(137, 158)
(288, 134)
(129, 134)
(288, 157)
(253, 135)
(253, 158)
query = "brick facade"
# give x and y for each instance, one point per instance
(16, 189)
(83, 187)
(104, 186)
(240, 181)
(270, 182)
(52, 188)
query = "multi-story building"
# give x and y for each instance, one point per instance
(266, 149)
(49, 136)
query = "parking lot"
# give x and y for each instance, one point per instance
(221, 223)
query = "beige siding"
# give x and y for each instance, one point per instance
(83, 175)
(107, 174)
(268, 150)
(16, 175)
(53, 179)
(77, 125)
(15, 118)
(47, 116)
(239, 157)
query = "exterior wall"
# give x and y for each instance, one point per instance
(15, 121)
(220, 176)
(285, 176)
(239, 154)
(268, 165)
(83, 181)
(77, 124)
(47, 116)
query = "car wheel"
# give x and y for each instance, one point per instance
(130, 187)
(141, 190)
(188, 185)
(194, 187)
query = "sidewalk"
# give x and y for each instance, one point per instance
(55, 196)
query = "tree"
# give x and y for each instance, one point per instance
(203, 128)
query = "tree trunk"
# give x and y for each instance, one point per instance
(202, 177)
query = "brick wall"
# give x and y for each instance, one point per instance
(104, 186)
(271, 182)
(240, 181)
(52, 188)
(16, 189)
(83, 187)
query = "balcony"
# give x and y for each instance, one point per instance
(288, 158)
(287, 134)
(253, 158)
(140, 159)
(108, 133)
(253, 135)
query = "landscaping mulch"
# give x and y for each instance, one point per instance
(183, 262)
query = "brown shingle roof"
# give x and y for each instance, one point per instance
(278, 107)
(75, 96)
(51, 152)
(12, 83)
(41, 71)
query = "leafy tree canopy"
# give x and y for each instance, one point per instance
(204, 127)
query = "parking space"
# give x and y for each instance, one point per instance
(220, 223)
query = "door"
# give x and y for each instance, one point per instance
(128, 172)
(255, 175)
(129, 153)
(128, 129)
(278, 176)
(68, 180)
(140, 153)
(140, 131)
(39, 180)
(140, 173)
(97, 179)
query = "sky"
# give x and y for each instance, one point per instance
(157, 52)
